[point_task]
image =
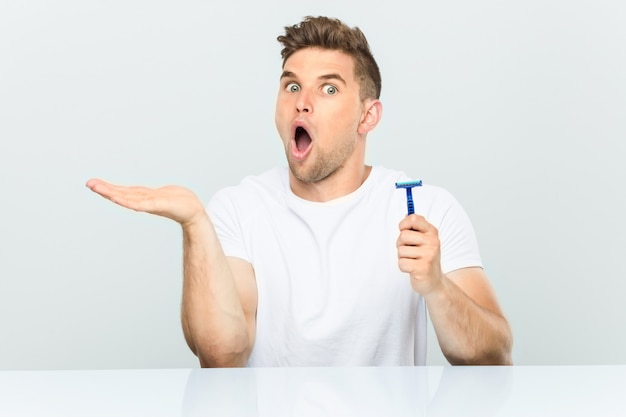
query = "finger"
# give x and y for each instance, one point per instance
(90, 183)
(100, 187)
(411, 238)
(426, 253)
(405, 265)
(95, 184)
(138, 199)
(103, 188)
(415, 222)
(132, 197)
(409, 252)
(417, 269)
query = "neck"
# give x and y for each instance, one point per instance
(344, 181)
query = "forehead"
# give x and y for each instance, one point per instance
(318, 62)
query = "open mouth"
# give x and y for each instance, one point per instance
(301, 143)
(302, 138)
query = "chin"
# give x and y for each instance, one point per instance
(312, 175)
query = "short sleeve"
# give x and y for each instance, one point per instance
(226, 218)
(459, 246)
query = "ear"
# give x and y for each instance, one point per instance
(372, 112)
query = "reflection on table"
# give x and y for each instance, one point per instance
(375, 391)
(394, 391)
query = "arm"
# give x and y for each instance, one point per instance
(219, 293)
(219, 300)
(469, 324)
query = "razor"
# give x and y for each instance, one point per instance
(408, 186)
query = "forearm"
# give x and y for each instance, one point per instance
(212, 315)
(468, 333)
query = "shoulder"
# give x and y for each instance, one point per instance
(254, 196)
(269, 185)
(429, 194)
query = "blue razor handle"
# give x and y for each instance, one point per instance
(408, 186)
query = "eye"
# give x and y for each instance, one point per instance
(330, 89)
(293, 88)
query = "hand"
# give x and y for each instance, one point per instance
(173, 202)
(419, 253)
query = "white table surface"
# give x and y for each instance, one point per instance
(383, 391)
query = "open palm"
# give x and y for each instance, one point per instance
(174, 202)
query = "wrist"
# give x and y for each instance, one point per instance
(198, 222)
(438, 290)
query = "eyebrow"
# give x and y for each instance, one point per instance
(289, 74)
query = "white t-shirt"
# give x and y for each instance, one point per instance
(330, 292)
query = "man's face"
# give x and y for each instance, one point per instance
(318, 112)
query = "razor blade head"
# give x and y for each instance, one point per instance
(409, 184)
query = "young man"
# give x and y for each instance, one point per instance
(326, 268)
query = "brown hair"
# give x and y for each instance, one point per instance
(326, 33)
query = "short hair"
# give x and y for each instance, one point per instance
(333, 34)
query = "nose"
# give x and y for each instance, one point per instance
(303, 104)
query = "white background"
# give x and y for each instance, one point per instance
(518, 108)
